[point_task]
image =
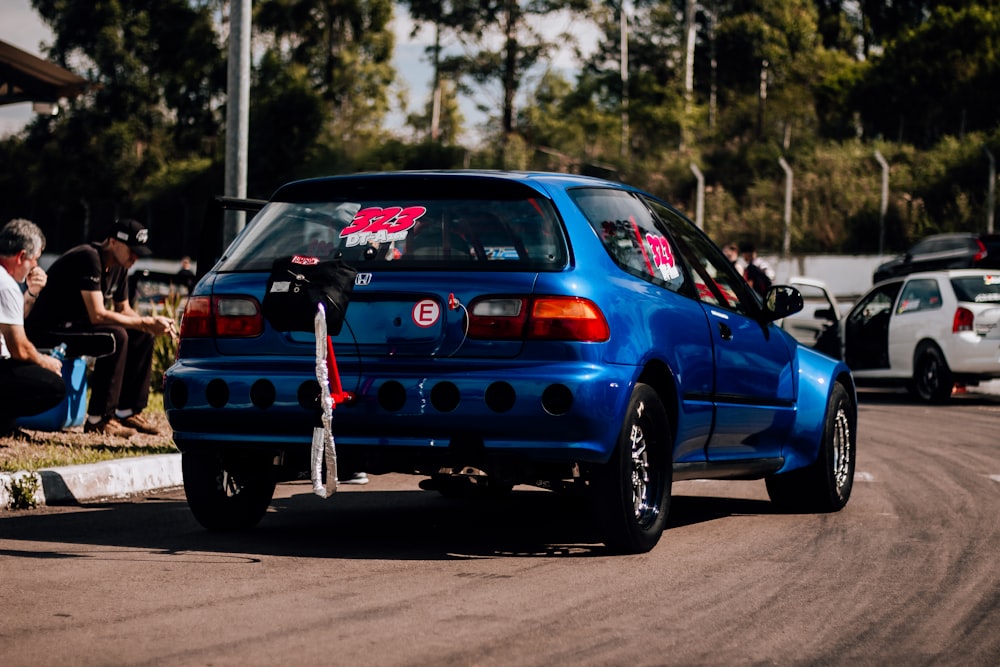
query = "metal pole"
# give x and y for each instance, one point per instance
(786, 245)
(884, 206)
(699, 206)
(990, 191)
(626, 139)
(237, 113)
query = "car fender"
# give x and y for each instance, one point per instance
(817, 374)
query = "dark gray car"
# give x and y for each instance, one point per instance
(944, 251)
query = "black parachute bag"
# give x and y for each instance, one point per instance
(298, 283)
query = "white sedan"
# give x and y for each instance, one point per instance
(927, 331)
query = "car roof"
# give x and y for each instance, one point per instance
(947, 274)
(430, 182)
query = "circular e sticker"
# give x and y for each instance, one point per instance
(426, 313)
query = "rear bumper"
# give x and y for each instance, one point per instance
(570, 411)
(974, 356)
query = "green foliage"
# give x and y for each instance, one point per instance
(22, 490)
(165, 347)
(915, 79)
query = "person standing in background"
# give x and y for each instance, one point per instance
(732, 253)
(758, 272)
(30, 382)
(185, 274)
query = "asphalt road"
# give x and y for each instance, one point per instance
(390, 575)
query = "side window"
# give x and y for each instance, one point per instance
(922, 294)
(634, 239)
(715, 280)
(877, 307)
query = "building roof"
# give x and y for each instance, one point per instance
(28, 78)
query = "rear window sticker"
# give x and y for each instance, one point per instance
(376, 224)
(500, 252)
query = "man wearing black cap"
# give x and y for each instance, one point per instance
(73, 310)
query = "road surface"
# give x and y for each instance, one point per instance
(388, 574)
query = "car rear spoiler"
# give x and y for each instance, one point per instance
(213, 242)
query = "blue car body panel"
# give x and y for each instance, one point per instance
(736, 388)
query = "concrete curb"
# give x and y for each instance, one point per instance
(97, 481)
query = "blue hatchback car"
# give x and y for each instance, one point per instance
(505, 328)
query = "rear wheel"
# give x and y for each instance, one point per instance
(227, 494)
(932, 379)
(631, 492)
(824, 486)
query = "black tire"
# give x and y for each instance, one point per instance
(826, 484)
(631, 492)
(227, 495)
(932, 379)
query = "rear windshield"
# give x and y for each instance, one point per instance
(977, 289)
(459, 234)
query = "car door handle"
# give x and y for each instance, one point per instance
(725, 332)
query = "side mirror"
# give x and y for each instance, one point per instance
(782, 301)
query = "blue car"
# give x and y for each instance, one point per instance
(502, 328)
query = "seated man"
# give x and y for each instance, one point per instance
(73, 308)
(30, 382)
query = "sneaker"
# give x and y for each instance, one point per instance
(110, 427)
(356, 478)
(140, 424)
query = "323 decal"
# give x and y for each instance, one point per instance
(663, 256)
(381, 225)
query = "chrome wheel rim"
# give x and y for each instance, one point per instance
(841, 447)
(643, 509)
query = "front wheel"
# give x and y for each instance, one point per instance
(631, 492)
(825, 485)
(227, 494)
(932, 379)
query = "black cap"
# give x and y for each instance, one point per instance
(134, 234)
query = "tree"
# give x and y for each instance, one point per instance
(503, 43)
(158, 71)
(936, 79)
(346, 47)
(442, 119)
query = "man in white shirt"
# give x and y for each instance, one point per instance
(30, 382)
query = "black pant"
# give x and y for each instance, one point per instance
(26, 389)
(120, 379)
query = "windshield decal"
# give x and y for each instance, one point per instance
(376, 224)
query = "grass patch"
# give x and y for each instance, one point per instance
(37, 450)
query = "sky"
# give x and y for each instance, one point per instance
(21, 26)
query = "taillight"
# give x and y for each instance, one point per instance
(981, 255)
(539, 318)
(964, 320)
(567, 318)
(222, 316)
(499, 318)
(197, 319)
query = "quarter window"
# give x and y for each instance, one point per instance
(635, 239)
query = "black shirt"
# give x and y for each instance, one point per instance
(79, 269)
